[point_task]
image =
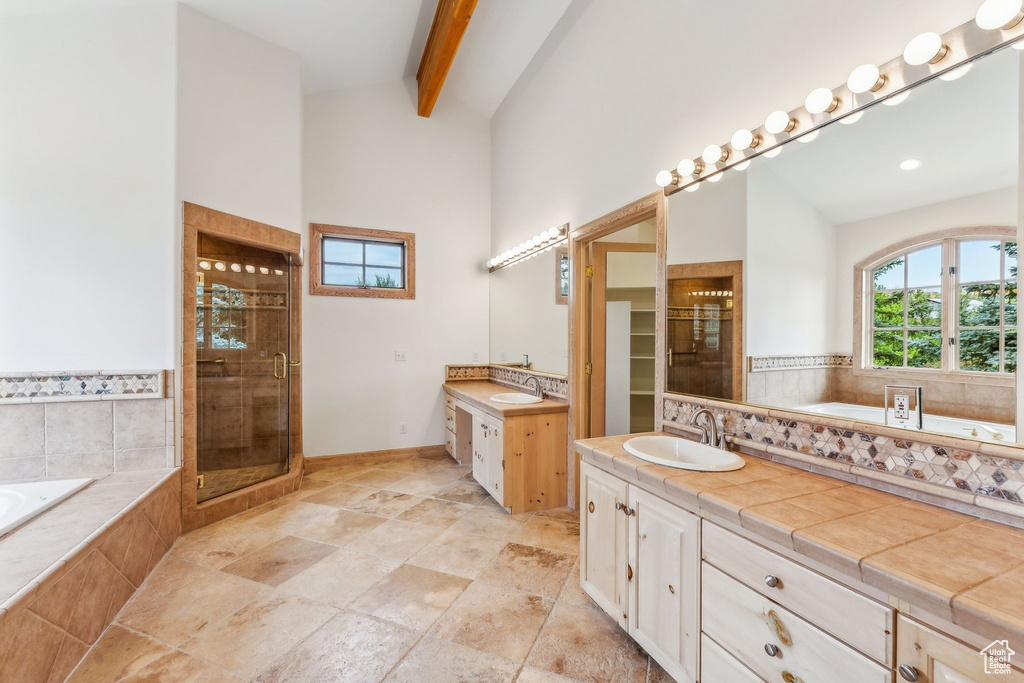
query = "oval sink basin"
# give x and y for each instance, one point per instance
(682, 453)
(515, 397)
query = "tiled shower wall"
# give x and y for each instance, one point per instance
(84, 438)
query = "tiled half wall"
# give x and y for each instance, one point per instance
(553, 386)
(988, 476)
(46, 433)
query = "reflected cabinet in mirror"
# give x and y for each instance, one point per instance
(868, 271)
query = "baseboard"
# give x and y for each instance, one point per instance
(314, 463)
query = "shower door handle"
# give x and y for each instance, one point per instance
(283, 374)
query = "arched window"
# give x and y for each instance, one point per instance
(946, 303)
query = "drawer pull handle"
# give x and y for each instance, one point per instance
(629, 573)
(618, 505)
(908, 672)
(771, 581)
(629, 511)
(591, 506)
(771, 650)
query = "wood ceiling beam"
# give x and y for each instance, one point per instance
(450, 21)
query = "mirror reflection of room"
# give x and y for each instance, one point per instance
(880, 253)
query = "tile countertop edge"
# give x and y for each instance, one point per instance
(688, 489)
(477, 393)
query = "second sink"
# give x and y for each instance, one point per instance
(682, 453)
(515, 397)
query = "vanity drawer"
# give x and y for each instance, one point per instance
(860, 621)
(718, 666)
(449, 419)
(449, 401)
(449, 442)
(748, 625)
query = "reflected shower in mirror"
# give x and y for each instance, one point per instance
(878, 254)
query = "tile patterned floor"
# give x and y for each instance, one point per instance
(405, 571)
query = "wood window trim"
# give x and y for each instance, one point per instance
(317, 231)
(864, 311)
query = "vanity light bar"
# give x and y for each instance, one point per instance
(926, 56)
(538, 244)
(235, 267)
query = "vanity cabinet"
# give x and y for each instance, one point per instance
(488, 455)
(927, 656)
(640, 559)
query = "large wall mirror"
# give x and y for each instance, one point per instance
(881, 253)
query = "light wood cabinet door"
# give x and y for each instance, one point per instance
(936, 658)
(664, 563)
(603, 541)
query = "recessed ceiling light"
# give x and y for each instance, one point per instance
(910, 164)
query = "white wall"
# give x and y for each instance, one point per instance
(87, 190)
(790, 271)
(239, 136)
(856, 241)
(370, 162)
(526, 319)
(710, 224)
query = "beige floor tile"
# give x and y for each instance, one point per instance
(564, 514)
(481, 521)
(350, 648)
(291, 515)
(177, 616)
(439, 660)
(339, 578)
(458, 554)
(531, 675)
(251, 639)
(572, 593)
(409, 465)
(435, 512)
(550, 533)
(309, 487)
(588, 646)
(179, 666)
(655, 674)
(411, 596)
(280, 561)
(339, 528)
(339, 495)
(463, 491)
(384, 503)
(529, 569)
(118, 653)
(418, 485)
(221, 544)
(495, 620)
(451, 472)
(395, 539)
(336, 474)
(172, 573)
(377, 479)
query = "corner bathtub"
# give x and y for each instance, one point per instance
(21, 502)
(954, 426)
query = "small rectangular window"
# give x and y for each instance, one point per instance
(362, 262)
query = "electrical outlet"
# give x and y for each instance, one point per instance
(476, 356)
(504, 356)
(399, 355)
(403, 427)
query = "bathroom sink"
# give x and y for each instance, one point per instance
(682, 453)
(515, 397)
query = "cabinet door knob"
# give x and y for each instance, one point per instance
(671, 589)
(618, 505)
(909, 673)
(771, 649)
(771, 581)
(591, 506)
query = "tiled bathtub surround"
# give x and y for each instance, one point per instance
(68, 572)
(821, 360)
(32, 387)
(987, 475)
(85, 438)
(553, 386)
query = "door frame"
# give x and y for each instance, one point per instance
(715, 269)
(198, 220)
(598, 338)
(655, 206)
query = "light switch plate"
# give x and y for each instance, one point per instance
(399, 355)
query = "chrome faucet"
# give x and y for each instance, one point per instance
(536, 386)
(709, 434)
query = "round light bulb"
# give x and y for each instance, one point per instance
(810, 137)
(712, 154)
(779, 122)
(956, 73)
(743, 165)
(264, 271)
(820, 101)
(692, 188)
(715, 177)
(925, 48)
(250, 269)
(743, 139)
(772, 153)
(999, 14)
(278, 272)
(910, 164)
(688, 167)
(865, 78)
(664, 178)
(205, 265)
(235, 268)
(535, 241)
(553, 232)
(219, 266)
(896, 99)
(852, 118)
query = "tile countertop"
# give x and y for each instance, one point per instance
(964, 569)
(478, 394)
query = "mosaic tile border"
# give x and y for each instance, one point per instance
(553, 386)
(822, 360)
(89, 385)
(983, 474)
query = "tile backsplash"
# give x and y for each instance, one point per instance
(553, 386)
(74, 437)
(35, 387)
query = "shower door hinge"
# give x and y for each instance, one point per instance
(590, 271)
(590, 368)
(201, 481)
